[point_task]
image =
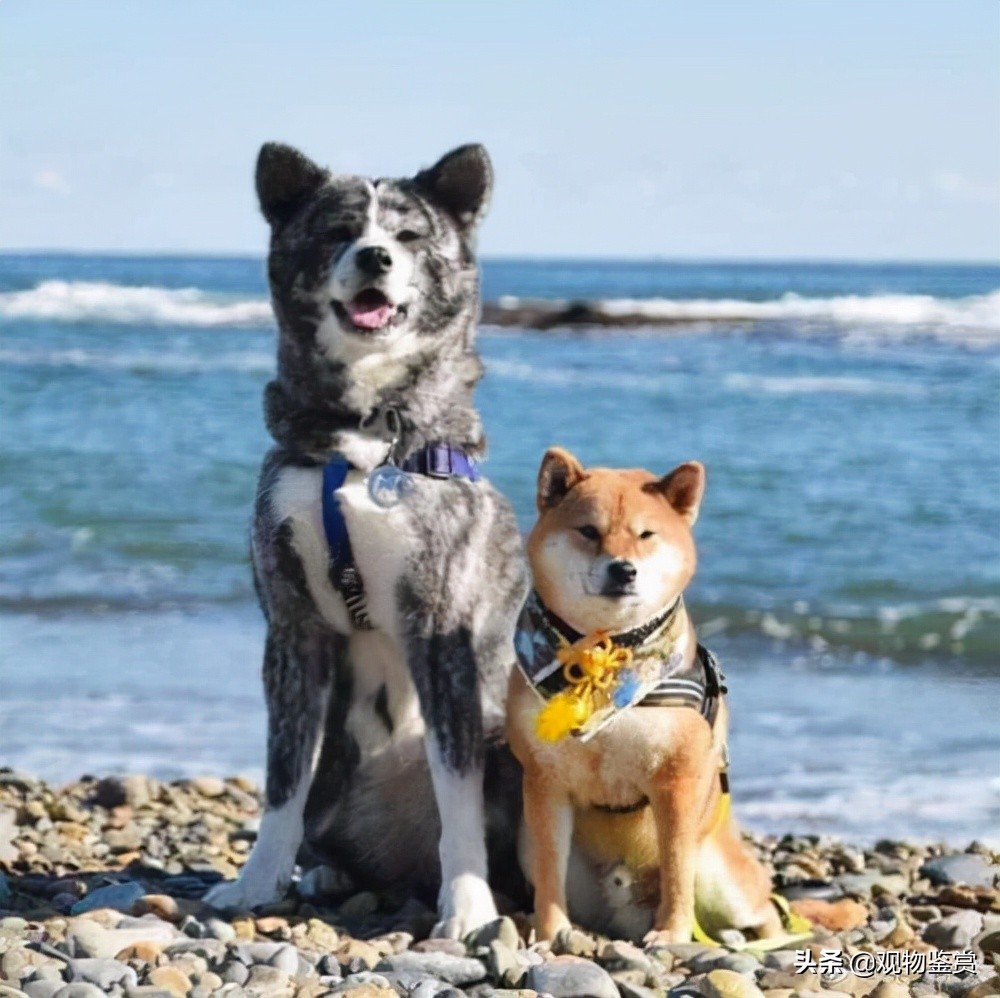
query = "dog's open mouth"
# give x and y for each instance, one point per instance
(369, 311)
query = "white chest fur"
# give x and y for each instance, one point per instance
(379, 540)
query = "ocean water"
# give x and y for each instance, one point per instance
(848, 416)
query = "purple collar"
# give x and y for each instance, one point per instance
(441, 461)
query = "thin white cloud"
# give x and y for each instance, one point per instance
(51, 180)
(956, 185)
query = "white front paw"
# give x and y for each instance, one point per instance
(464, 905)
(243, 894)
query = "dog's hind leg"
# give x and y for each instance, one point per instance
(733, 887)
(298, 669)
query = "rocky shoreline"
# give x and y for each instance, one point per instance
(545, 315)
(101, 880)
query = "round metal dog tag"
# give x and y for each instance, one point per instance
(388, 486)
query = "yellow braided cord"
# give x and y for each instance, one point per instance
(590, 666)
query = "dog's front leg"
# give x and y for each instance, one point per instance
(465, 901)
(297, 670)
(445, 672)
(677, 819)
(548, 817)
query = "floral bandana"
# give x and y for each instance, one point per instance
(586, 682)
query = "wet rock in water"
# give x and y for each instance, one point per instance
(955, 931)
(569, 977)
(961, 868)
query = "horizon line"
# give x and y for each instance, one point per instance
(169, 254)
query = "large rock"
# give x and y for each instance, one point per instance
(729, 984)
(103, 973)
(502, 929)
(954, 932)
(89, 939)
(738, 963)
(864, 884)
(457, 970)
(571, 977)
(961, 868)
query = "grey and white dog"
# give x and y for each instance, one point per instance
(375, 289)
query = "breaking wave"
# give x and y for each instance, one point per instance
(951, 627)
(142, 362)
(974, 312)
(975, 319)
(98, 301)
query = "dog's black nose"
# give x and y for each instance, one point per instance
(374, 260)
(621, 572)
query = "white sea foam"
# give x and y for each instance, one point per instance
(573, 378)
(242, 361)
(820, 385)
(974, 312)
(973, 320)
(976, 318)
(98, 301)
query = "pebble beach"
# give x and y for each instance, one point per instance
(101, 881)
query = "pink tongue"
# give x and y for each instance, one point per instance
(370, 316)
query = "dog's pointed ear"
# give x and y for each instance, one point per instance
(559, 472)
(285, 178)
(460, 182)
(683, 488)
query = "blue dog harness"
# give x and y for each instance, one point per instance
(436, 460)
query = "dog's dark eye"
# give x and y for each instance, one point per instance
(646, 534)
(408, 236)
(339, 233)
(591, 533)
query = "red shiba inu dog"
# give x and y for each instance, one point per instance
(617, 717)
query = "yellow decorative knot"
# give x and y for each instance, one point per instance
(590, 667)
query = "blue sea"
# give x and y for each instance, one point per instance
(848, 416)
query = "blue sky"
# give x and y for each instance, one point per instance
(759, 128)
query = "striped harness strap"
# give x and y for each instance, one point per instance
(700, 687)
